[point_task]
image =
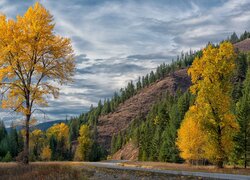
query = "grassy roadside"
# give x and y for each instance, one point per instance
(75, 171)
(187, 167)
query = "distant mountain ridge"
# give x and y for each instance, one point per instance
(42, 126)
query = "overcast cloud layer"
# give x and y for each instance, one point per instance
(117, 41)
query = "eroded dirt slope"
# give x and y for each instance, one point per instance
(128, 152)
(139, 104)
(243, 45)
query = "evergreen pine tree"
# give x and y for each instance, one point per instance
(154, 151)
(4, 146)
(53, 147)
(240, 75)
(243, 117)
(234, 38)
(138, 84)
(3, 132)
(118, 142)
(152, 77)
(7, 157)
(13, 141)
(113, 144)
(20, 142)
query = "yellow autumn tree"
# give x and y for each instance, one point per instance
(191, 139)
(84, 144)
(37, 139)
(46, 153)
(211, 77)
(31, 55)
(60, 132)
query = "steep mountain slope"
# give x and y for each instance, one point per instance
(243, 45)
(139, 104)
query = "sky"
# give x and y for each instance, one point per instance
(117, 41)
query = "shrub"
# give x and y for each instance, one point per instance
(7, 157)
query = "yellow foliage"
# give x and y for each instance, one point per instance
(46, 153)
(191, 139)
(37, 133)
(156, 120)
(84, 144)
(60, 132)
(37, 140)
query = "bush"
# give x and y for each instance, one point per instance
(32, 157)
(46, 154)
(7, 157)
(20, 157)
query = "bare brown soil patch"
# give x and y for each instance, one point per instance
(243, 46)
(129, 152)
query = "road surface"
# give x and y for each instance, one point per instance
(115, 165)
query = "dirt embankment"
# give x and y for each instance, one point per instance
(139, 104)
(129, 152)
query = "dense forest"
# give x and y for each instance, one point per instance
(163, 134)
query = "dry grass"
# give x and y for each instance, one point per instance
(41, 170)
(187, 167)
(79, 170)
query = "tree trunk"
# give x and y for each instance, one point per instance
(245, 163)
(26, 144)
(245, 150)
(220, 164)
(221, 153)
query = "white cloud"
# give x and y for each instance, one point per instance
(6, 8)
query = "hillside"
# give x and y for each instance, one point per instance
(139, 104)
(243, 46)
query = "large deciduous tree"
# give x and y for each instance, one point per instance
(32, 56)
(211, 77)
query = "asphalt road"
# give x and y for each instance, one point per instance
(115, 165)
